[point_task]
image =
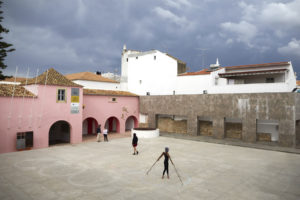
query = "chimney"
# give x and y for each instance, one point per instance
(215, 66)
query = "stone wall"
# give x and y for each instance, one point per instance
(247, 107)
(233, 130)
(169, 125)
(205, 128)
(266, 137)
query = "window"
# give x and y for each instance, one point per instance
(173, 92)
(126, 59)
(114, 99)
(136, 57)
(140, 81)
(154, 57)
(61, 95)
(270, 80)
(216, 80)
(148, 93)
(24, 140)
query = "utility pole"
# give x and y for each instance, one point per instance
(202, 55)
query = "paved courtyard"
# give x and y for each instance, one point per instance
(94, 170)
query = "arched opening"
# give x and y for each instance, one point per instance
(59, 133)
(112, 125)
(89, 126)
(131, 123)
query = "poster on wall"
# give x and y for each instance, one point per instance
(75, 108)
(75, 100)
(75, 95)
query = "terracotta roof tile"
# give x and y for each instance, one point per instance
(6, 90)
(53, 78)
(201, 72)
(12, 79)
(258, 65)
(107, 93)
(89, 76)
(298, 83)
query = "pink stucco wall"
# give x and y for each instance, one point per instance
(102, 107)
(44, 111)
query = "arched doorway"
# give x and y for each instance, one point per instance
(89, 126)
(59, 133)
(131, 123)
(112, 124)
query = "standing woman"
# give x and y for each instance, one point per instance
(134, 144)
(98, 133)
(105, 135)
(166, 161)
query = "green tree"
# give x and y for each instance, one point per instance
(4, 47)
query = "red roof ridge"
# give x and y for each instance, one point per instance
(258, 65)
(201, 72)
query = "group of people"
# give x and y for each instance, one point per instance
(99, 134)
(165, 154)
(136, 152)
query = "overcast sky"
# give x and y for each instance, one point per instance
(88, 35)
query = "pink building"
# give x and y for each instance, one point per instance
(51, 109)
(117, 111)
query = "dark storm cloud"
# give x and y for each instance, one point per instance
(88, 35)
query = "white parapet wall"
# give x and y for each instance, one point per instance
(145, 133)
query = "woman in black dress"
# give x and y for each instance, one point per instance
(134, 144)
(166, 161)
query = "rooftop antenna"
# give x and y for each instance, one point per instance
(202, 55)
(164, 47)
(36, 90)
(12, 97)
(21, 113)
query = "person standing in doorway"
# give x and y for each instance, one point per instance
(134, 144)
(166, 161)
(105, 135)
(99, 133)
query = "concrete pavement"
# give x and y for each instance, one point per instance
(109, 171)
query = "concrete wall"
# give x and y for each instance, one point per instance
(247, 107)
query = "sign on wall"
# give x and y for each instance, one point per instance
(75, 95)
(75, 100)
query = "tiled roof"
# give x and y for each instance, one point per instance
(6, 90)
(12, 79)
(298, 83)
(89, 76)
(259, 65)
(53, 78)
(275, 71)
(107, 93)
(201, 72)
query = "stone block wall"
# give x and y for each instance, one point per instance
(233, 130)
(169, 125)
(205, 128)
(284, 107)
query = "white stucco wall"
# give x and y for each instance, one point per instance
(98, 85)
(156, 76)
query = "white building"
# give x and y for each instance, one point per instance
(157, 73)
(90, 80)
(150, 72)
